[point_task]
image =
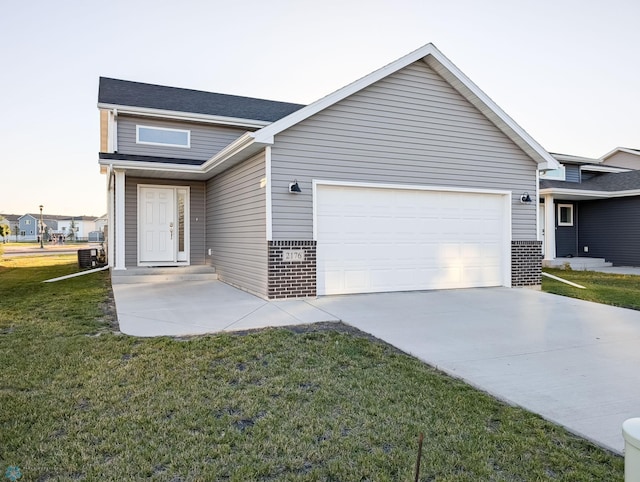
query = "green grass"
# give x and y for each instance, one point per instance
(80, 402)
(607, 288)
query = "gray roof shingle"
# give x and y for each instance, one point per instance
(613, 181)
(138, 94)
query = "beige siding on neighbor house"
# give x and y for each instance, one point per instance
(104, 130)
(624, 159)
(196, 217)
(206, 140)
(236, 225)
(409, 128)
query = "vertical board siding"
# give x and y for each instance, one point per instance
(409, 128)
(236, 225)
(566, 236)
(206, 140)
(611, 230)
(196, 217)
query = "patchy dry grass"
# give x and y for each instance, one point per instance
(80, 402)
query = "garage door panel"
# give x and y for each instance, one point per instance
(377, 239)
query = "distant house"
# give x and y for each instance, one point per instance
(80, 225)
(590, 208)
(409, 178)
(28, 226)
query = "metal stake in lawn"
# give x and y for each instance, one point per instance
(420, 439)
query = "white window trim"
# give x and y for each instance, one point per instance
(166, 144)
(570, 207)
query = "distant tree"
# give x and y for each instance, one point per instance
(16, 231)
(72, 230)
(5, 231)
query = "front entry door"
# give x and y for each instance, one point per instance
(157, 225)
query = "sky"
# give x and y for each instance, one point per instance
(566, 71)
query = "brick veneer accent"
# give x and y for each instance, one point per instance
(526, 263)
(291, 279)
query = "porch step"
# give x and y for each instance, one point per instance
(581, 264)
(161, 274)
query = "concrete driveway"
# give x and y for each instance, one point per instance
(574, 362)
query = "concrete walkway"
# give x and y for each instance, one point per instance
(198, 307)
(571, 361)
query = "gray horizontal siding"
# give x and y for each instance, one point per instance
(236, 225)
(196, 218)
(206, 140)
(409, 128)
(611, 230)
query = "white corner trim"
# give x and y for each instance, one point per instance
(269, 213)
(119, 224)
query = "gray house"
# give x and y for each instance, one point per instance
(409, 178)
(590, 210)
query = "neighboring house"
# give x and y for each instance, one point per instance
(28, 226)
(12, 220)
(101, 222)
(622, 157)
(81, 226)
(410, 178)
(589, 208)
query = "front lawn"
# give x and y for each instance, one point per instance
(607, 288)
(82, 402)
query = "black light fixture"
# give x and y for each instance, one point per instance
(525, 198)
(293, 187)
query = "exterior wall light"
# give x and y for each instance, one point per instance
(525, 198)
(294, 188)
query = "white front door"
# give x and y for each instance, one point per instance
(161, 225)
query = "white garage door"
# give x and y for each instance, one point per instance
(379, 239)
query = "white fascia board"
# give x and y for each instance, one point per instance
(150, 166)
(576, 159)
(589, 194)
(236, 148)
(280, 125)
(443, 66)
(435, 59)
(185, 116)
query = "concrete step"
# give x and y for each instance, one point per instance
(143, 274)
(577, 263)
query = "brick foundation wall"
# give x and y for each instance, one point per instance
(526, 263)
(292, 269)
